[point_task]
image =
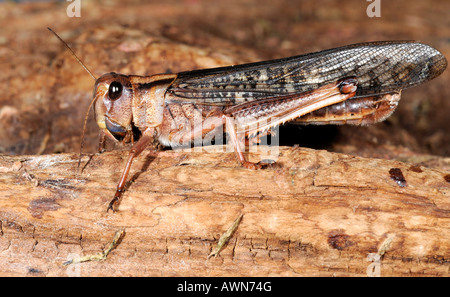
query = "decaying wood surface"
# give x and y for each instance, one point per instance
(314, 214)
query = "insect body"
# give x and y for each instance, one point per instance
(356, 84)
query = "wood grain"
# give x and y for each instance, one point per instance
(314, 214)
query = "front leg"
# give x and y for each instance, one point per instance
(136, 149)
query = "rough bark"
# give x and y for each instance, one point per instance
(315, 213)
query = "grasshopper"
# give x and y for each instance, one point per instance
(357, 84)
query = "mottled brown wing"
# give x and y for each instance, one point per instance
(380, 67)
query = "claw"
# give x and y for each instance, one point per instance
(114, 201)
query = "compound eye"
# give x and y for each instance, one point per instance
(115, 90)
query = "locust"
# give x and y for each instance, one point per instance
(357, 84)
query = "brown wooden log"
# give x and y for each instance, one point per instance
(315, 213)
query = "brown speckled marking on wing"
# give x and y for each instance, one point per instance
(380, 67)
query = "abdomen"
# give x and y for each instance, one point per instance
(358, 111)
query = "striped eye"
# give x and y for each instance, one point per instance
(115, 90)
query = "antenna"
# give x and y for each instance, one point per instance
(73, 53)
(93, 100)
